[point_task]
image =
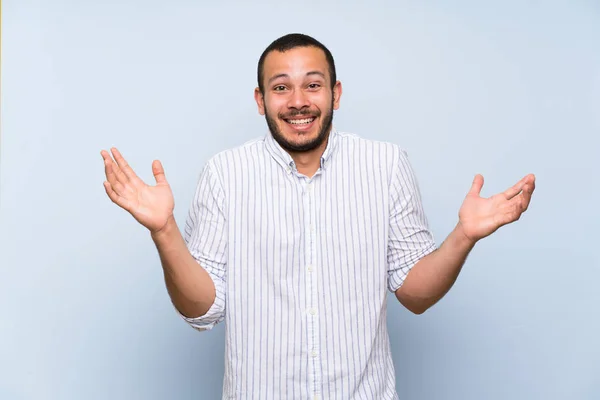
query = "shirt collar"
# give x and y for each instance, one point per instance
(285, 160)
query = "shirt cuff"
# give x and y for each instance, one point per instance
(214, 315)
(396, 277)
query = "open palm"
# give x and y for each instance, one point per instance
(151, 206)
(480, 217)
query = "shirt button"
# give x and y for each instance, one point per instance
(310, 268)
(313, 311)
(314, 354)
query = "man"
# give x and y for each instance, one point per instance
(293, 239)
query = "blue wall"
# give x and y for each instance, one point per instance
(501, 88)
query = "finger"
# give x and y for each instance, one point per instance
(107, 159)
(120, 189)
(118, 200)
(511, 214)
(531, 181)
(519, 204)
(477, 185)
(528, 179)
(158, 172)
(110, 192)
(515, 189)
(113, 168)
(123, 165)
(116, 177)
(104, 154)
(526, 195)
(109, 171)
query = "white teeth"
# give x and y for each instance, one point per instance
(301, 121)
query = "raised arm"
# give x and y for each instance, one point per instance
(190, 286)
(433, 275)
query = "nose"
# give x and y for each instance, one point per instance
(298, 100)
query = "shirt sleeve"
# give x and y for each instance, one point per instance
(206, 238)
(410, 238)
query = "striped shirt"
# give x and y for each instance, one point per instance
(302, 265)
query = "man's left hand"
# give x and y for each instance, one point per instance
(480, 217)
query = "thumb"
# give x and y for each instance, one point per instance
(477, 185)
(159, 172)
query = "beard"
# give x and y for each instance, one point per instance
(304, 147)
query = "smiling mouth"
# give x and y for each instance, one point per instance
(300, 123)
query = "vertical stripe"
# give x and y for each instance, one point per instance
(285, 290)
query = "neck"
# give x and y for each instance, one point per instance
(309, 162)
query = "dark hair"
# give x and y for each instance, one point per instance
(292, 41)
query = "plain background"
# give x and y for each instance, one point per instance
(499, 88)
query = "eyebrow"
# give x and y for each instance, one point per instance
(322, 75)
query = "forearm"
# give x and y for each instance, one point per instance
(190, 287)
(433, 276)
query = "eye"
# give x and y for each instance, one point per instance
(279, 88)
(314, 86)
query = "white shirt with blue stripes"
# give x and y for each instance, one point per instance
(301, 265)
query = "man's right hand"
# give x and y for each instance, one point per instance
(151, 206)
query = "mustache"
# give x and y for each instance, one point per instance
(303, 112)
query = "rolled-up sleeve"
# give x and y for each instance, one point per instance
(206, 238)
(410, 238)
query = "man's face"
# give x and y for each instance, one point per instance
(298, 102)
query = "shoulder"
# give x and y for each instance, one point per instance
(238, 155)
(380, 150)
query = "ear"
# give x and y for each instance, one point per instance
(337, 94)
(260, 101)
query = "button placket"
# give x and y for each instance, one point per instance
(311, 286)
